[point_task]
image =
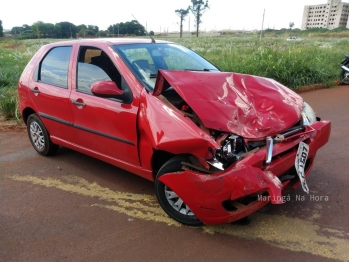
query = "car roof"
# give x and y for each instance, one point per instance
(110, 41)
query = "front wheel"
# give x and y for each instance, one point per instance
(172, 204)
(39, 136)
(344, 77)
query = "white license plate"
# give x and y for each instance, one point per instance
(301, 159)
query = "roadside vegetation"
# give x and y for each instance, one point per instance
(292, 63)
(14, 55)
(313, 60)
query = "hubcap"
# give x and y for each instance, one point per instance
(177, 203)
(37, 136)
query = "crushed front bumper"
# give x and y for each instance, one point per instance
(250, 183)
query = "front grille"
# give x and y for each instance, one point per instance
(297, 128)
(289, 151)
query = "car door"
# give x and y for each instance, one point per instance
(105, 126)
(50, 92)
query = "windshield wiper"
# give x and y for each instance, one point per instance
(205, 69)
(152, 75)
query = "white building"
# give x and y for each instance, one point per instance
(332, 15)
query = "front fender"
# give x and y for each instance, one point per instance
(166, 129)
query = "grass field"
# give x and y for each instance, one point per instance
(312, 60)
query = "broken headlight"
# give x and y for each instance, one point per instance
(232, 149)
(308, 115)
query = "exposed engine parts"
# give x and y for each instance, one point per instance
(232, 146)
(232, 149)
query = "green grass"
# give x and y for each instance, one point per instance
(14, 55)
(9, 103)
(313, 60)
(11, 66)
(294, 64)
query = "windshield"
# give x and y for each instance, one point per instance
(144, 60)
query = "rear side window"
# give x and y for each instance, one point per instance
(54, 67)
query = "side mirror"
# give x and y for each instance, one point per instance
(106, 89)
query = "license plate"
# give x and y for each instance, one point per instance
(301, 159)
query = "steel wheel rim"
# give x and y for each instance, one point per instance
(177, 203)
(37, 136)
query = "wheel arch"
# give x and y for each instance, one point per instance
(159, 158)
(26, 113)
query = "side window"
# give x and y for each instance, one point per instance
(87, 75)
(54, 67)
(94, 65)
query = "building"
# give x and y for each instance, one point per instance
(332, 15)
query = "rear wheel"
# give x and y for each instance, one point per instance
(172, 204)
(39, 136)
(344, 77)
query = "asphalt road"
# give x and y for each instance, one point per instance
(71, 207)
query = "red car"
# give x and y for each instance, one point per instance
(219, 146)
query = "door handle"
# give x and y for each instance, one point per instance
(35, 90)
(78, 103)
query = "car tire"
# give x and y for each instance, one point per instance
(39, 137)
(344, 77)
(168, 199)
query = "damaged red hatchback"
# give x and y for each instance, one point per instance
(218, 145)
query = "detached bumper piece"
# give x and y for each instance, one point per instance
(250, 183)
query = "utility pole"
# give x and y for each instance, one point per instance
(260, 38)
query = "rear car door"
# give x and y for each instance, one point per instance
(105, 126)
(50, 92)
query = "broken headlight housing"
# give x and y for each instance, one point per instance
(232, 149)
(308, 115)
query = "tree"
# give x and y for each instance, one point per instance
(26, 27)
(90, 30)
(65, 30)
(130, 28)
(103, 33)
(93, 30)
(24, 31)
(49, 30)
(182, 13)
(291, 25)
(38, 28)
(58, 31)
(81, 29)
(1, 29)
(198, 8)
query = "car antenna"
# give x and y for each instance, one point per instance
(152, 39)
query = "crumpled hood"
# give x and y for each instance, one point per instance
(250, 106)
